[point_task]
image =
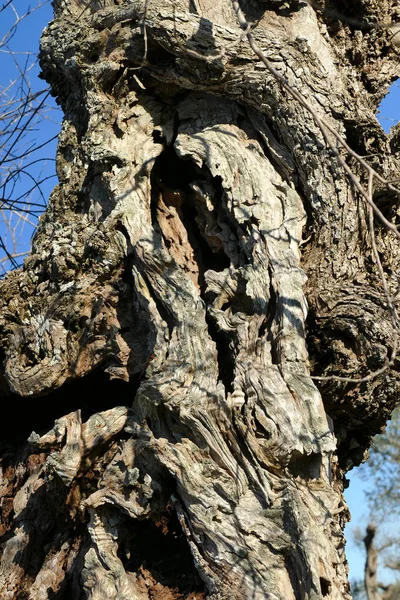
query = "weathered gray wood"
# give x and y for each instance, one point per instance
(199, 222)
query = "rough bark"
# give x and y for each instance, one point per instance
(203, 253)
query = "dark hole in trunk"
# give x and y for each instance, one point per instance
(159, 554)
(93, 393)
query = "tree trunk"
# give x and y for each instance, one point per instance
(156, 341)
(371, 565)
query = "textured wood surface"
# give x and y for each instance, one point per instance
(206, 251)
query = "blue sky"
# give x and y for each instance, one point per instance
(389, 109)
(18, 55)
(27, 40)
(357, 504)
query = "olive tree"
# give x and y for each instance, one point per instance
(204, 338)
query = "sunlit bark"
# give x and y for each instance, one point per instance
(203, 254)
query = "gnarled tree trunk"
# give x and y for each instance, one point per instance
(204, 254)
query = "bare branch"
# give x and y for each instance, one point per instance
(22, 110)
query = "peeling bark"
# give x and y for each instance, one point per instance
(201, 257)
